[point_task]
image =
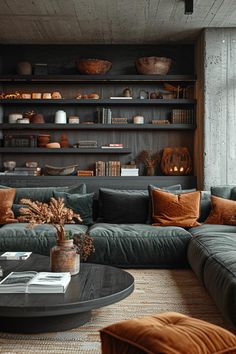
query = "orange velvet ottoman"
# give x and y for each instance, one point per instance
(167, 333)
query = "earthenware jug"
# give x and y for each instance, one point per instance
(64, 257)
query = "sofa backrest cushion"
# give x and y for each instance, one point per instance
(79, 203)
(123, 206)
(226, 191)
(175, 210)
(43, 194)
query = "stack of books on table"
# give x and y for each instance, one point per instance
(15, 256)
(35, 283)
(129, 172)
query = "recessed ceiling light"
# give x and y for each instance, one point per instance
(188, 9)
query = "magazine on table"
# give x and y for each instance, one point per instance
(35, 283)
(15, 256)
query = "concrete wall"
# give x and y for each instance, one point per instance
(218, 115)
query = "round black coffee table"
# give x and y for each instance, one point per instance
(95, 286)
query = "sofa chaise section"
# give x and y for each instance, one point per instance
(212, 256)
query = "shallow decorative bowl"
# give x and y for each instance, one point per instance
(93, 66)
(9, 165)
(31, 164)
(60, 171)
(153, 65)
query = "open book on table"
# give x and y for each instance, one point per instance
(35, 283)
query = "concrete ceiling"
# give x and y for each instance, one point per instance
(109, 21)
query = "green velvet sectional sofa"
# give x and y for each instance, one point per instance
(124, 237)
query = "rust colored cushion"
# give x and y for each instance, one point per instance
(6, 201)
(175, 210)
(223, 211)
(167, 333)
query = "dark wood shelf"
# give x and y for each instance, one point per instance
(140, 181)
(100, 102)
(129, 126)
(31, 150)
(96, 78)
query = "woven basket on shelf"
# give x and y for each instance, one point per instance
(176, 161)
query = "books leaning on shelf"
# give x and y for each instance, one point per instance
(110, 168)
(182, 116)
(129, 172)
(11, 256)
(35, 283)
(104, 115)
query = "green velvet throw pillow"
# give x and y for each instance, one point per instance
(79, 203)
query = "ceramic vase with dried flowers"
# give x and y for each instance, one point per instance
(65, 256)
(149, 160)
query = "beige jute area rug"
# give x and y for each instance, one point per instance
(156, 291)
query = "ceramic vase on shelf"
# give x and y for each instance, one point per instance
(150, 171)
(64, 257)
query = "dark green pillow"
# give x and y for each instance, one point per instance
(79, 203)
(123, 206)
(222, 191)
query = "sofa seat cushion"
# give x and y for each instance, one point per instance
(219, 278)
(170, 333)
(211, 229)
(139, 245)
(39, 239)
(212, 257)
(206, 245)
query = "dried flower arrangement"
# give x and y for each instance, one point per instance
(149, 160)
(84, 244)
(54, 213)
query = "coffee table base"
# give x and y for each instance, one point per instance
(43, 324)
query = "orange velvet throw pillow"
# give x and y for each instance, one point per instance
(175, 210)
(170, 333)
(223, 211)
(6, 200)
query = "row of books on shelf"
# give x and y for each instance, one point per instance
(178, 116)
(114, 168)
(182, 116)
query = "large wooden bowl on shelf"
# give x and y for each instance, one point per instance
(59, 171)
(93, 66)
(153, 65)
